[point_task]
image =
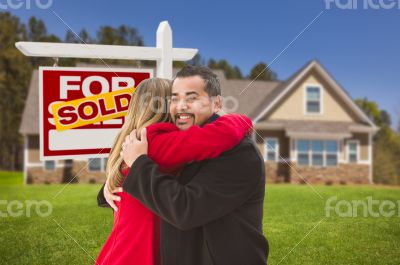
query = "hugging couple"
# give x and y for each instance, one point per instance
(186, 185)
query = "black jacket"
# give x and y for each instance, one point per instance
(212, 214)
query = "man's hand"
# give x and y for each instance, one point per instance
(132, 148)
(110, 197)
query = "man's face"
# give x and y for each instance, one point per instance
(190, 103)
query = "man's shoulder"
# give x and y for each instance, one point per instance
(246, 150)
(245, 145)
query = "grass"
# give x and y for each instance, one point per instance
(11, 178)
(295, 224)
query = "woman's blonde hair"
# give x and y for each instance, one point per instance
(148, 105)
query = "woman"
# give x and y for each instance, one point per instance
(134, 238)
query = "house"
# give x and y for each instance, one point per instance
(307, 128)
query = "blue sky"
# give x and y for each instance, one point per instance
(359, 47)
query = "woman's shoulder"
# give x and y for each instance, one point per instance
(161, 127)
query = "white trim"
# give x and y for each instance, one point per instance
(342, 156)
(39, 164)
(26, 158)
(276, 149)
(321, 99)
(292, 151)
(359, 161)
(370, 157)
(335, 86)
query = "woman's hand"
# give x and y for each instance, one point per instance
(132, 148)
(110, 197)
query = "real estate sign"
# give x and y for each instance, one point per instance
(83, 109)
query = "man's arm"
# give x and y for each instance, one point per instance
(101, 199)
(221, 186)
(170, 147)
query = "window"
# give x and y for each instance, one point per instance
(97, 164)
(353, 151)
(317, 152)
(105, 160)
(313, 99)
(94, 164)
(49, 164)
(271, 149)
(303, 152)
(331, 153)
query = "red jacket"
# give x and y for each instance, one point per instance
(134, 238)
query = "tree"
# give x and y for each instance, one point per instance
(260, 71)
(15, 73)
(83, 37)
(371, 109)
(123, 35)
(37, 29)
(385, 118)
(386, 163)
(196, 60)
(386, 144)
(231, 72)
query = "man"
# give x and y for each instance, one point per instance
(212, 213)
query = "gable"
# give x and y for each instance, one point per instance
(292, 106)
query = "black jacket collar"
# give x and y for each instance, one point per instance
(212, 118)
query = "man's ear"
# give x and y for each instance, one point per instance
(217, 103)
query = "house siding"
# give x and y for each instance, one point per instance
(282, 139)
(33, 147)
(363, 145)
(293, 106)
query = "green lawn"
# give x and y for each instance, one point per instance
(295, 224)
(11, 178)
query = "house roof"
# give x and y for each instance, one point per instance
(30, 117)
(268, 105)
(312, 128)
(246, 102)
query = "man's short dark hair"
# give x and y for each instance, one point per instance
(211, 82)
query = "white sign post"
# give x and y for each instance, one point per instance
(61, 145)
(163, 53)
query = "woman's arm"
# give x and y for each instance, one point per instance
(170, 147)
